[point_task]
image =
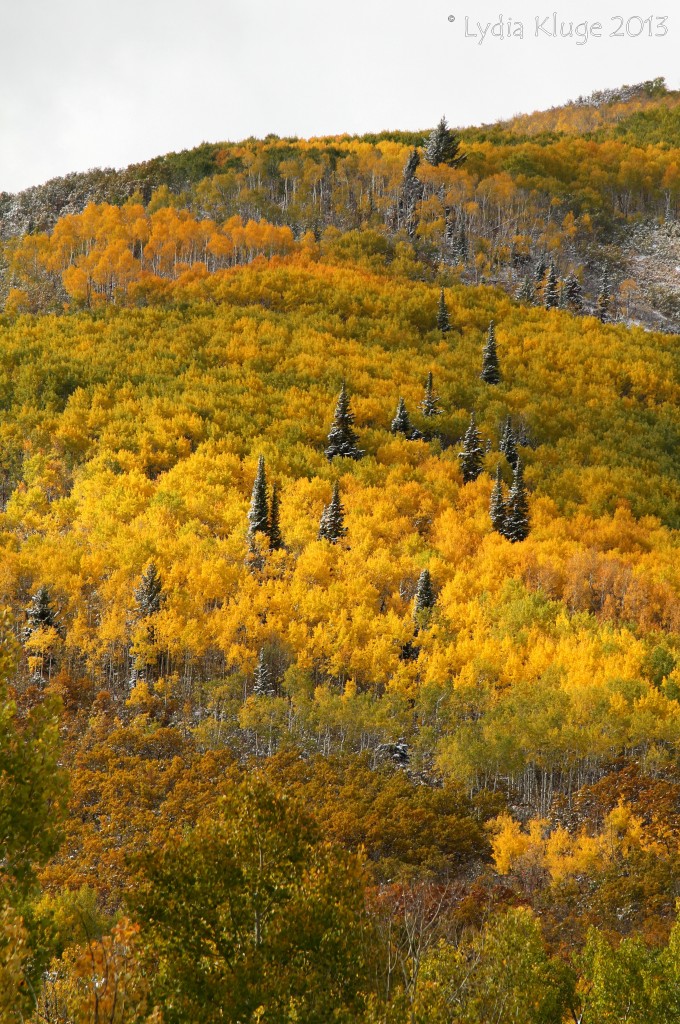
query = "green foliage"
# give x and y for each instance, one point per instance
(251, 912)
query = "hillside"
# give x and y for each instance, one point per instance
(340, 593)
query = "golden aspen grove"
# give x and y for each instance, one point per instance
(340, 580)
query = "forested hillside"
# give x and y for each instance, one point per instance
(341, 593)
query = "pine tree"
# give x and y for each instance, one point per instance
(443, 318)
(40, 614)
(149, 593)
(430, 402)
(526, 292)
(573, 294)
(541, 269)
(604, 300)
(460, 249)
(401, 424)
(490, 372)
(264, 685)
(552, 291)
(342, 441)
(425, 597)
(274, 526)
(443, 146)
(516, 526)
(508, 445)
(258, 515)
(472, 456)
(332, 524)
(410, 194)
(497, 510)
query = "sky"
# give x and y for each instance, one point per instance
(87, 83)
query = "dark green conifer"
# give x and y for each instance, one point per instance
(443, 146)
(149, 593)
(516, 526)
(443, 318)
(425, 597)
(472, 455)
(274, 528)
(604, 300)
(460, 249)
(401, 424)
(508, 445)
(264, 684)
(342, 441)
(497, 509)
(430, 402)
(258, 515)
(410, 194)
(40, 613)
(552, 290)
(573, 294)
(491, 373)
(332, 524)
(541, 269)
(526, 292)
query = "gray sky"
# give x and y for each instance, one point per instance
(87, 83)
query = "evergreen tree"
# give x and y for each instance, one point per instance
(552, 291)
(604, 300)
(573, 294)
(425, 597)
(342, 441)
(430, 402)
(40, 613)
(490, 372)
(410, 194)
(258, 515)
(401, 424)
(541, 269)
(460, 249)
(332, 524)
(472, 456)
(149, 593)
(264, 685)
(443, 147)
(443, 318)
(508, 445)
(497, 510)
(526, 292)
(274, 527)
(517, 508)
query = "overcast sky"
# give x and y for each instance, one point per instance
(87, 83)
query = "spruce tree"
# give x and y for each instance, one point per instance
(425, 597)
(332, 524)
(443, 318)
(604, 300)
(149, 593)
(443, 147)
(274, 526)
(508, 445)
(264, 684)
(526, 292)
(490, 371)
(410, 195)
(430, 402)
(472, 456)
(541, 269)
(516, 526)
(258, 515)
(573, 294)
(401, 424)
(342, 441)
(40, 613)
(460, 249)
(552, 291)
(497, 510)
